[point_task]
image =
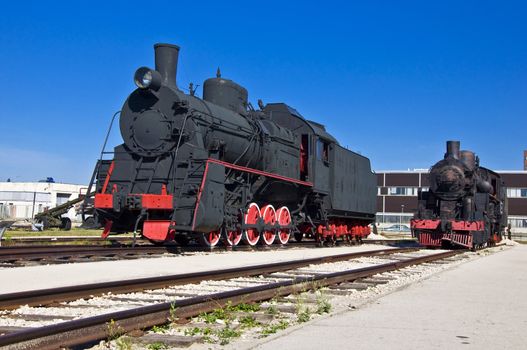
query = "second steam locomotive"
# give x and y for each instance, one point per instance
(465, 206)
(215, 168)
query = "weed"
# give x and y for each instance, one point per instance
(323, 304)
(173, 312)
(157, 346)
(243, 307)
(249, 322)
(124, 343)
(303, 314)
(272, 310)
(273, 328)
(197, 331)
(226, 334)
(192, 331)
(218, 314)
(114, 330)
(160, 329)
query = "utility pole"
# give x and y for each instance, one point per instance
(401, 217)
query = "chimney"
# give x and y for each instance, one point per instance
(452, 149)
(166, 56)
(524, 160)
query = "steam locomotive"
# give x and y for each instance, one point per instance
(215, 168)
(465, 206)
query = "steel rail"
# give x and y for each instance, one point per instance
(43, 252)
(60, 294)
(51, 239)
(95, 328)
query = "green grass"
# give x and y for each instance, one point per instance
(53, 232)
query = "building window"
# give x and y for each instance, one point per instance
(63, 198)
(394, 218)
(402, 191)
(518, 222)
(513, 192)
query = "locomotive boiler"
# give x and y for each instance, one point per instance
(465, 205)
(216, 168)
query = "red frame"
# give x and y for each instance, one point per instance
(157, 230)
(467, 225)
(456, 225)
(103, 200)
(157, 201)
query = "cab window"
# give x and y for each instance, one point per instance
(322, 150)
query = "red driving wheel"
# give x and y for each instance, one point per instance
(210, 239)
(232, 237)
(251, 235)
(268, 214)
(284, 219)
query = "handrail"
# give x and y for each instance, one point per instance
(98, 164)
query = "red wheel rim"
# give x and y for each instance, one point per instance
(232, 238)
(284, 219)
(268, 214)
(211, 239)
(251, 235)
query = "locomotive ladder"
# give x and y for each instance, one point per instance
(146, 168)
(186, 186)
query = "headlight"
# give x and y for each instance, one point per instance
(146, 78)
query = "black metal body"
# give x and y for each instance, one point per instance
(464, 197)
(211, 157)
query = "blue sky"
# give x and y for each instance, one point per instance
(390, 79)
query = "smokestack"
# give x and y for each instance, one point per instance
(166, 56)
(452, 149)
(468, 158)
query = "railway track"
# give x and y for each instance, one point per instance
(183, 296)
(15, 256)
(31, 255)
(92, 240)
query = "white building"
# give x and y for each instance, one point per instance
(22, 200)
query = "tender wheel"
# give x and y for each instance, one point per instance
(268, 214)
(65, 224)
(231, 237)
(210, 239)
(284, 219)
(251, 235)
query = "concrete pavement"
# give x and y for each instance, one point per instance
(481, 304)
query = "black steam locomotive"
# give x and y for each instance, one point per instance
(216, 168)
(466, 204)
